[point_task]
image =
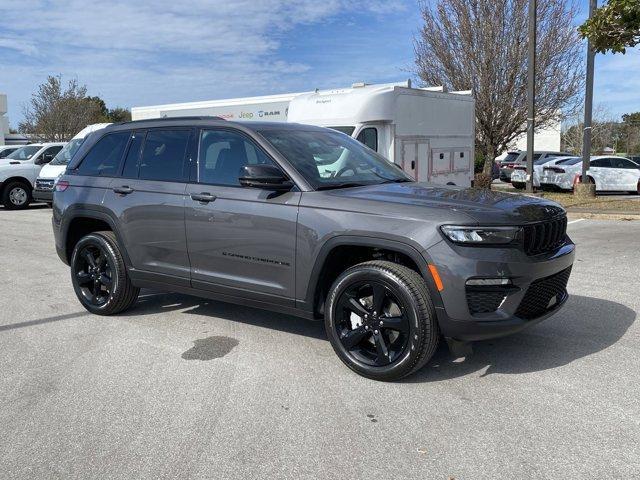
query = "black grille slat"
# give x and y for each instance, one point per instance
(544, 236)
(536, 300)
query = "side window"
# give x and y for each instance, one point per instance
(622, 163)
(53, 151)
(132, 160)
(163, 155)
(223, 153)
(104, 157)
(369, 137)
(601, 162)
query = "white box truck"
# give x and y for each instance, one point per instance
(428, 132)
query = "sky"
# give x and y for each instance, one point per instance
(155, 51)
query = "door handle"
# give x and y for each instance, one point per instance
(124, 190)
(203, 197)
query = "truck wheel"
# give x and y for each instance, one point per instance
(380, 320)
(16, 195)
(99, 275)
(519, 185)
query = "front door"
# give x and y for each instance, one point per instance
(241, 240)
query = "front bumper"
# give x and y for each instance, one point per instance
(457, 264)
(42, 195)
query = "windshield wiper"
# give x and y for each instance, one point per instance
(397, 180)
(331, 186)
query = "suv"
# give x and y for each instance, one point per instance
(519, 158)
(19, 170)
(306, 221)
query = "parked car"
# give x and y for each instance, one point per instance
(247, 213)
(18, 172)
(519, 158)
(609, 173)
(519, 174)
(7, 149)
(49, 174)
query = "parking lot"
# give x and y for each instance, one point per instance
(191, 388)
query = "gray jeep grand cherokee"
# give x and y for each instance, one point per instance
(306, 221)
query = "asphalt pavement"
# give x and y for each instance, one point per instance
(181, 387)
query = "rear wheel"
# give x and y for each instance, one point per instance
(518, 185)
(380, 320)
(99, 275)
(16, 195)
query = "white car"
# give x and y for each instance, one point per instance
(45, 183)
(519, 174)
(609, 173)
(19, 170)
(8, 149)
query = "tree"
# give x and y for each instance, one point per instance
(605, 132)
(55, 114)
(631, 133)
(482, 45)
(613, 27)
(119, 114)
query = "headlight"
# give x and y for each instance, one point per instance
(482, 235)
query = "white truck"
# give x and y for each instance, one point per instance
(428, 132)
(48, 176)
(19, 170)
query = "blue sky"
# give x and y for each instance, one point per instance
(148, 52)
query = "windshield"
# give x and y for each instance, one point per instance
(569, 161)
(511, 157)
(329, 159)
(64, 156)
(25, 153)
(348, 130)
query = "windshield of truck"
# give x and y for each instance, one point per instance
(329, 159)
(511, 157)
(64, 156)
(348, 130)
(25, 153)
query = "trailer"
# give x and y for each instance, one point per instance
(428, 132)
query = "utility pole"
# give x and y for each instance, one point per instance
(588, 111)
(531, 93)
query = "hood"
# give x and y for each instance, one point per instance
(485, 207)
(52, 171)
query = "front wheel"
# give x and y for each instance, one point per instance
(16, 196)
(99, 275)
(380, 320)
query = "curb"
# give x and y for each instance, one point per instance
(602, 215)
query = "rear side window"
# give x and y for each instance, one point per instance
(601, 162)
(104, 157)
(163, 155)
(369, 136)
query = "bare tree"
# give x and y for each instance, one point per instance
(605, 131)
(54, 114)
(482, 45)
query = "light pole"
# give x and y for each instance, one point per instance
(531, 93)
(584, 188)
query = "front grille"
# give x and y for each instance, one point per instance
(545, 236)
(44, 184)
(538, 299)
(484, 301)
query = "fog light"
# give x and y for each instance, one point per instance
(485, 282)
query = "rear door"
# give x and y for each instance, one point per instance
(241, 240)
(600, 170)
(148, 199)
(624, 174)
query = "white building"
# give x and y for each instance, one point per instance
(545, 139)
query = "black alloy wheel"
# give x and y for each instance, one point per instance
(94, 275)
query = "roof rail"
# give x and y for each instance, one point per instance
(193, 117)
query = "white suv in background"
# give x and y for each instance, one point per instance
(19, 170)
(46, 181)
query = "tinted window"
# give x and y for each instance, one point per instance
(131, 162)
(223, 153)
(104, 157)
(622, 163)
(51, 151)
(369, 136)
(601, 162)
(163, 155)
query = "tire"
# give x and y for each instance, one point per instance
(409, 336)
(102, 285)
(519, 185)
(16, 195)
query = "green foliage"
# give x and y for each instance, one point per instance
(614, 27)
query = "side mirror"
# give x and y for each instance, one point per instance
(268, 177)
(44, 158)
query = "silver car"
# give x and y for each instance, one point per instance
(609, 173)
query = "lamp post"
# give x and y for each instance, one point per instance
(531, 93)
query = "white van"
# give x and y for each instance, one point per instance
(43, 191)
(426, 131)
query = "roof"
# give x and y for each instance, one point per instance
(208, 121)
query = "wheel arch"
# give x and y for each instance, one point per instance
(333, 251)
(16, 178)
(82, 221)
